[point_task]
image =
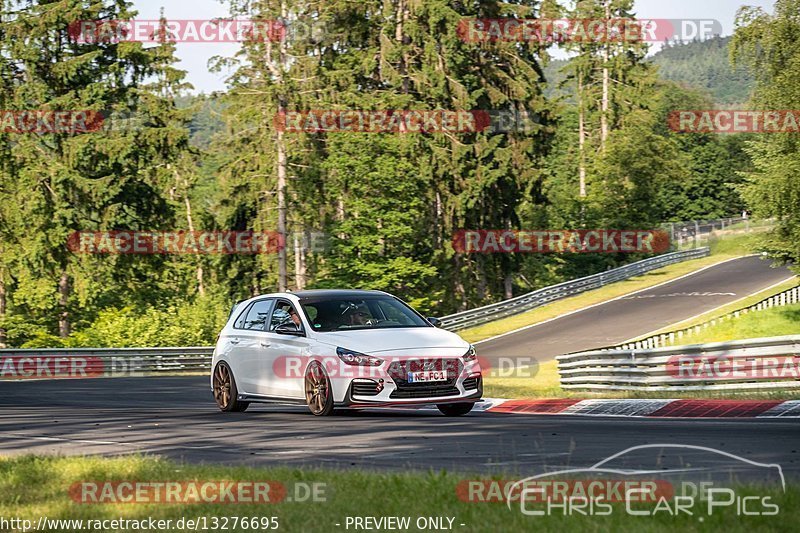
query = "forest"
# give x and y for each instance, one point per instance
(591, 149)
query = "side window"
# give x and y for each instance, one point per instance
(257, 315)
(239, 324)
(285, 313)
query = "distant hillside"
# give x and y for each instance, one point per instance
(701, 64)
(705, 65)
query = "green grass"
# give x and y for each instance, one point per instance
(721, 250)
(31, 487)
(737, 244)
(772, 322)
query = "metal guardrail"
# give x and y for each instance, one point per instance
(767, 363)
(531, 300)
(102, 362)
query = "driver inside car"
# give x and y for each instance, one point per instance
(295, 317)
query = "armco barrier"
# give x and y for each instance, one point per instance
(768, 363)
(95, 362)
(531, 300)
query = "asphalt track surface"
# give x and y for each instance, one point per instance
(637, 314)
(177, 418)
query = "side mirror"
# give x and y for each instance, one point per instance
(289, 329)
(435, 322)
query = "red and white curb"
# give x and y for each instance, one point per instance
(646, 408)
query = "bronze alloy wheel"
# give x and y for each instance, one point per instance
(319, 395)
(225, 392)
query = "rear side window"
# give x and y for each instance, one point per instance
(239, 324)
(255, 317)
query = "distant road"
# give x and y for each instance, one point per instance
(637, 314)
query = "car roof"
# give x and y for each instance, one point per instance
(335, 293)
(317, 293)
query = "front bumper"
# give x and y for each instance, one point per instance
(463, 390)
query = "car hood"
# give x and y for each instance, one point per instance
(400, 341)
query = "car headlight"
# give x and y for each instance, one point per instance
(471, 354)
(357, 359)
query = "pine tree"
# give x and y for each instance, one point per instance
(63, 182)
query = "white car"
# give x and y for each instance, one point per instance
(341, 348)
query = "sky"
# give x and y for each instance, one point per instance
(195, 56)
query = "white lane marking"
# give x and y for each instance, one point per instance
(676, 294)
(645, 335)
(692, 273)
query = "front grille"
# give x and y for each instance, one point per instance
(471, 383)
(426, 392)
(365, 388)
(399, 370)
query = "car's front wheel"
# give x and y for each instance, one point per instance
(319, 393)
(225, 392)
(455, 409)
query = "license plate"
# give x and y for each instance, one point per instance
(428, 375)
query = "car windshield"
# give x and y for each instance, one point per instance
(362, 312)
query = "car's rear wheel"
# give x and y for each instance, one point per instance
(319, 394)
(455, 409)
(225, 392)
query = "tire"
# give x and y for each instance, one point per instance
(319, 393)
(455, 409)
(225, 391)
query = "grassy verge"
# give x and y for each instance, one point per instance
(766, 323)
(32, 487)
(721, 250)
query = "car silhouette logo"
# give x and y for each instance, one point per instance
(605, 466)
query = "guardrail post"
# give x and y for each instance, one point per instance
(696, 234)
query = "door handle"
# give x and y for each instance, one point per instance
(265, 344)
(234, 341)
